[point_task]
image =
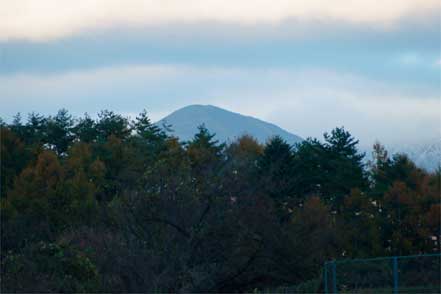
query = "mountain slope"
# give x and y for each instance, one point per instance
(425, 154)
(226, 124)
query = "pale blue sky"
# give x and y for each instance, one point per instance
(306, 67)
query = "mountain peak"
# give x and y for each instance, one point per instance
(227, 125)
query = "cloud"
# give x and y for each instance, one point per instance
(410, 59)
(307, 102)
(49, 19)
(414, 59)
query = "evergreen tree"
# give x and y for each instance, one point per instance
(276, 170)
(86, 129)
(36, 128)
(17, 126)
(149, 140)
(206, 157)
(146, 129)
(59, 131)
(203, 150)
(343, 166)
(309, 164)
(110, 123)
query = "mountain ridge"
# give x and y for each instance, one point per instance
(226, 124)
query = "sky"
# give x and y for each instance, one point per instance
(373, 67)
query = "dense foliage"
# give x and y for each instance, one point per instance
(114, 205)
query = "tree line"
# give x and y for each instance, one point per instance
(110, 204)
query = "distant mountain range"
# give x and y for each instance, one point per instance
(426, 155)
(225, 124)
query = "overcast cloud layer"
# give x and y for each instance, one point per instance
(44, 19)
(307, 66)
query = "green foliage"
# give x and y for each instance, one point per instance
(59, 131)
(85, 130)
(14, 157)
(205, 155)
(146, 129)
(110, 123)
(112, 205)
(344, 166)
(203, 148)
(35, 131)
(276, 168)
(48, 267)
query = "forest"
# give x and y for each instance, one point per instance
(113, 204)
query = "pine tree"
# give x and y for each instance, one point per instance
(343, 166)
(309, 164)
(59, 133)
(110, 123)
(146, 129)
(206, 157)
(276, 171)
(36, 129)
(86, 130)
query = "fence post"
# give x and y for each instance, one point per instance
(325, 276)
(395, 268)
(334, 276)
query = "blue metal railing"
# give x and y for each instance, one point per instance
(382, 272)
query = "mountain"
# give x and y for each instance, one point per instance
(225, 124)
(425, 154)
